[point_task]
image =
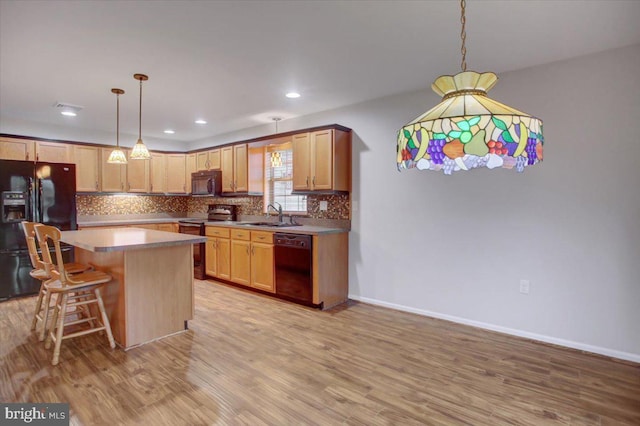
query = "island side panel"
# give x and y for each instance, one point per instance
(159, 292)
(330, 269)
(113, 292)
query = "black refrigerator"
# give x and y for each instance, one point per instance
(36, 192)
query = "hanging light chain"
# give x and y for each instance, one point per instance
(118, 120)
(463, 35)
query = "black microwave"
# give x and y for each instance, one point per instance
(206, 183)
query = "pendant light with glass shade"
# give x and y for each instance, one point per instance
(117, 155)
(140, 151)
(467, 129)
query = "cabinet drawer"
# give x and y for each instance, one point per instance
(212, 231)
(262, 237)
(240, 234)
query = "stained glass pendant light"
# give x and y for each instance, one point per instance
(140, 151)
(467, 129)
(117, 156)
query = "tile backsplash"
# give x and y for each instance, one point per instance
(110, 204)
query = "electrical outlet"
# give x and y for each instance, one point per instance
(524, 286)
(324, 206)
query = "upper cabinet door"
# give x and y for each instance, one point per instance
(176, 174)
(202, 160)
(322, 160)
(215, 162)
(240, 168)
(191, 168)
(87, 159)
(227, 169)
(17, 149)
(301, 162)
(52, 152)
(113, 176)
(138, 175)
(158, 169)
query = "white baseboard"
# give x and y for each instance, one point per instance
(542, 338)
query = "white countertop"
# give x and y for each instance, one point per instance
(120, 239)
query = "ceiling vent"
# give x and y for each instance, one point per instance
(67, 109)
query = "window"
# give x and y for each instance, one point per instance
(279, 180)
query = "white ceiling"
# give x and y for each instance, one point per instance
(231, 62)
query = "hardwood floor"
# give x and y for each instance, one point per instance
(249, 359)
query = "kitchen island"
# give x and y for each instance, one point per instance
(151, 294)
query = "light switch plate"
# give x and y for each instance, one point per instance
(324, 206)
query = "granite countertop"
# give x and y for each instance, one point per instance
(121, 239)
(302, 229)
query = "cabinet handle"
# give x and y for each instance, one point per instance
(247, 249)
(122, 186)
(307, 183)
(313, 182)
(128, 186)
(253, 250)
(151, 187)
(38, 157)
(96, 185)
(27, 156)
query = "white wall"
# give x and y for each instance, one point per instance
(456, 247)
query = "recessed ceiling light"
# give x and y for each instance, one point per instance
(200, 122)
(293, 95)
(68, 113)
(67, 109)
(170, 132)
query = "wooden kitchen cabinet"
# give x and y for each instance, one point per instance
(168, 227)
(322, 161)
(176, 173)
(137, 175)
(112, 176)
(242, 170)
(218, 253)
(208, 160)
(17, 149)
(191, 164)
(87, 159)
(262, 265)
(53, 152)
(158, 171)
(241, 257)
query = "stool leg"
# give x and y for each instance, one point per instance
(45, 316)
(59, 329)
(38, 306)
(105, 319)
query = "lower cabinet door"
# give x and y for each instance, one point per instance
(211, 258)
(224, 258)
(241, 262)
(262, 267)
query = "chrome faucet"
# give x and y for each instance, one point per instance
(279, 210)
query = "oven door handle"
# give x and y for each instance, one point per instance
(210, 185)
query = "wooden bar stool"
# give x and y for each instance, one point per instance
(40, 272)
(74, 292)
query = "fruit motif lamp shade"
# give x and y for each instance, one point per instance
(467, 129)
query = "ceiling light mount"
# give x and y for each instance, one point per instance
(276, 120)
(467, 129)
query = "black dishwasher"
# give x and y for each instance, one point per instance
(293, 267)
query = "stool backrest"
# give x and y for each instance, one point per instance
(44, 234)
(30, 236)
